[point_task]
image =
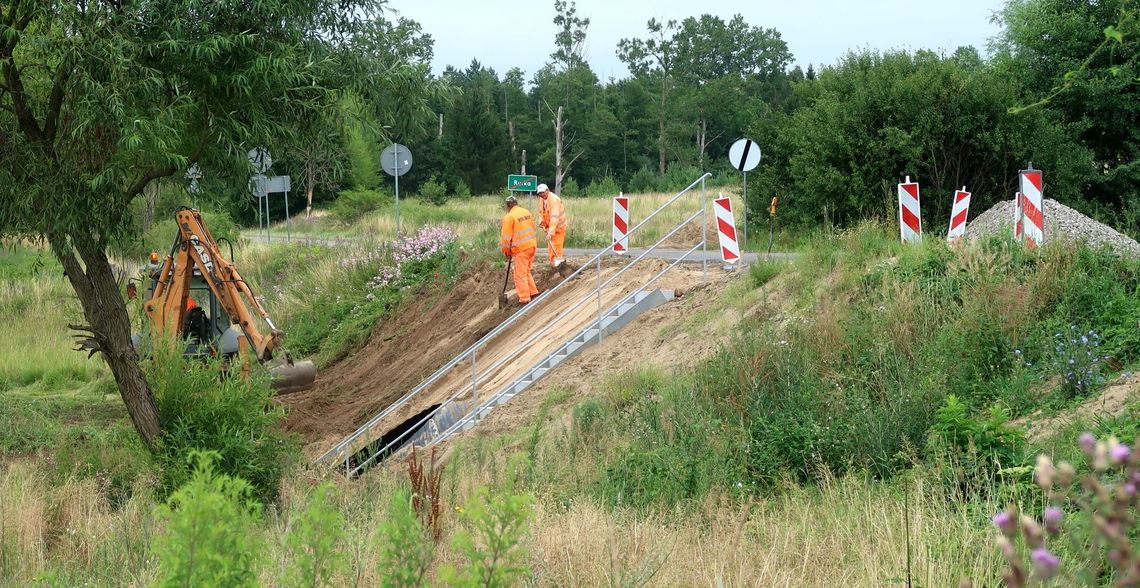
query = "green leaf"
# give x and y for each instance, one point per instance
(1110, 32)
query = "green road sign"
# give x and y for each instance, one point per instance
(519, 183)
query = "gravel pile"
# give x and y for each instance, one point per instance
(1060, 220)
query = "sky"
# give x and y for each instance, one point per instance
(503, 34)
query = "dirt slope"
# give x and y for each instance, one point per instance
(401, 353)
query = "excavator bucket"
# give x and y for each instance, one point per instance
(294, 377)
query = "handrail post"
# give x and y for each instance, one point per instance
(704, 236)
(599, 300)
(474, 378)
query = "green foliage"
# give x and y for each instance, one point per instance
(315, 541)
(434, 191)
(209, 537)
(1082, 59)
(17, 262)
(570, 188)
(642, 181)
(762, 272)
(351, 205)
(974, 450)
(918, 104)
(605, 188)
(491, 540)
(461, 190)
(201, 408)
(406, 551)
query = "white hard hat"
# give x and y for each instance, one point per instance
(541, 188)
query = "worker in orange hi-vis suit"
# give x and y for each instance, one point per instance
(519, 241)
(552, 213)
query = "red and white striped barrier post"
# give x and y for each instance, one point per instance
(958, 214)
(726, 230)
(1017, 218)
(621, 224)
(910, 212)
(1033, 207)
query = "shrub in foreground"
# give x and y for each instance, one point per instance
(1097, 535)
(203, 408)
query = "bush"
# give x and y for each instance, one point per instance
(491, 540)
(461, 189)
(434, 191)
(406, 551)
(351, 205)
(314, 539)
(570, 188)
(974, 450)
(642, 181)
(604, 188)
(677, 177)
(1099, 531)
(209, 537)
(203, 408)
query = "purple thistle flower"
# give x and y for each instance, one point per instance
(1120, 453)
(1053, 516)
(1088, 443)
(1044, 562)
(1005, 523)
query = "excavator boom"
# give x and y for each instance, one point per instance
(196, 255)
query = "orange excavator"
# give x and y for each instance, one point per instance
(196, 294)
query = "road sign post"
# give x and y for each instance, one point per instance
(522, 183)
(744, 156)
(261, 161)
(278, 184)
(396, 160)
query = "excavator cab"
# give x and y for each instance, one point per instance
(199, 296)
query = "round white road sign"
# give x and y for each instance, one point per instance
(744, 155)
(396, 160)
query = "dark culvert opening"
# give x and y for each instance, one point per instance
(404, 432)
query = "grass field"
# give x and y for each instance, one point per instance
(476, 219)
(803, 453)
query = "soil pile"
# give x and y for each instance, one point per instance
(1060, 220)
(403, 351)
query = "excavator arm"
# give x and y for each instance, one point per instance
(195, 248)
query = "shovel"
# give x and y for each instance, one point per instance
(506, 280)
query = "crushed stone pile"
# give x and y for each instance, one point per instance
(1060, 220)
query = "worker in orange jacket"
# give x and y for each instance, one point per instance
(552, 214)
(519, 241)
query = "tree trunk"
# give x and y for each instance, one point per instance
(150, 198)
(702, 142)
(310, 183)
(661, 130)
(110, 324)
(558, 151)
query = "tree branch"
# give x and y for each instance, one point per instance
(15, 86)
(151, 175)
(55, 101)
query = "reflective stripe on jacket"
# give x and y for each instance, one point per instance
(552, 212)
(518, 232)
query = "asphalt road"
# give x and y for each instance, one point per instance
(712, 255)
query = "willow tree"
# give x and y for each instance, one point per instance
(100, 98)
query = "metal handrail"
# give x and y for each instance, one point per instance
(523, 346)
(439, 373)
(491, 399)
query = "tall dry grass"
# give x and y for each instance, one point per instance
(845, 532)
(36, 346)
(590, 222)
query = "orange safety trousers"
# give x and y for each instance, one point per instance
(555, 242)
(524, 281)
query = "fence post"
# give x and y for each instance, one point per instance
(704, 236)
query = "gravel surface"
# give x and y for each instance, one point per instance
(1060, 220)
